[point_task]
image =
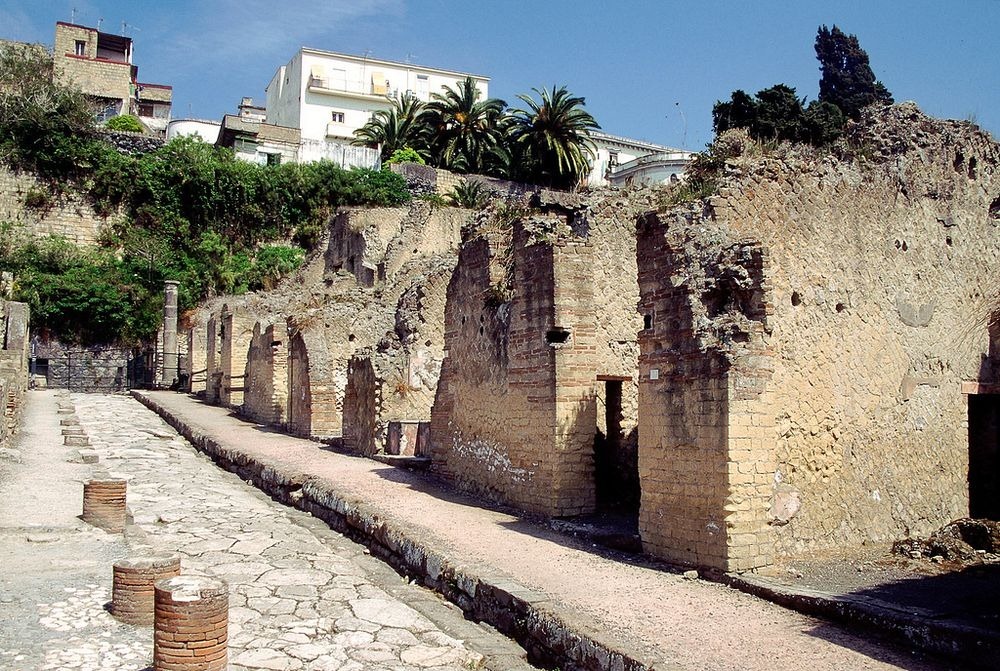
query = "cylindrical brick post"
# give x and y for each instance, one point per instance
(132, 594)
(190, 631)
(104, 503)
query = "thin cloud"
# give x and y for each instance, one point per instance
(19, 27)
(256, 29)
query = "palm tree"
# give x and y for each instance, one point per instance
(463, 127)
(553, 136)
(402, 125)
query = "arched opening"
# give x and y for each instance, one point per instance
(299, 393)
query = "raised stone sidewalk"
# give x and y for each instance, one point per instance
(570, 604)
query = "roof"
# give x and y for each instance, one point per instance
(234, 125)
(651, 147)
(376, 61)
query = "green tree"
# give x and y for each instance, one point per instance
(552, 136)
(823, 123)
(464, 128)
(847, 80)
(739, 112)
(43, 126)
(779, 114)
(401, 126)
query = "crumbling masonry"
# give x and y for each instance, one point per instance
(808, 359)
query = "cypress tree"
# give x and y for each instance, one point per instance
(847, 79)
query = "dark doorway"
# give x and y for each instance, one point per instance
(984, 456)
(616, 463)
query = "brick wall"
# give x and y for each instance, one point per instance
(235, 331)
(705, 456)
(265, 398)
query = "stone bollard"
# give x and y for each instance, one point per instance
(190, 629)
(132, 593)
(104, 503)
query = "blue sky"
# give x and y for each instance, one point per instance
(649, 70)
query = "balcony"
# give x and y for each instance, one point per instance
(340, 87)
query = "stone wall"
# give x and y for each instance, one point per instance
(540, 314)
(14, 346)
(107, 368)
(65, 214)
(811, 331)
(377, 285)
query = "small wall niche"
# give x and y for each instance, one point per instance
(557, 336)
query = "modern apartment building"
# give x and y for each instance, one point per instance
(100, 65)
(328, 95)
(622, 161)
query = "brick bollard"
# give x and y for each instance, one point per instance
(104, 503)
(132, 594)
(190, 631)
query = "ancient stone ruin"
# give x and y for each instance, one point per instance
(807, 359)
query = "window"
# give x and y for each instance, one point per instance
(146, 109)
(613, 159)
(338, 117)
(423, 87)
(80, 48)
(274, 159)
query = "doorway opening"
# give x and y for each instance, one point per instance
(984, 456)
(616, 451)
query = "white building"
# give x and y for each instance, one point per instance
(621, 161)
(208, 131)
(328, 96)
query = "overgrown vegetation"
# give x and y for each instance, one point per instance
(188, 211)
(125, 122)
(471, 193)
(547, 142)
(846, 86)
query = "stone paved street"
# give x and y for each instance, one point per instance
(301, 596)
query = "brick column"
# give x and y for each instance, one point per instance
(190, 630)
(104, 504)
(132, 593)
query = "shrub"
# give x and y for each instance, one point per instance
(273, 262)
(470, 193)
(406, 155)
(125, 122)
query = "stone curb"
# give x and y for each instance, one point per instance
(978, 647)
(551, 634)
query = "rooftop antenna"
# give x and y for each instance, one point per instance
(72, 16)
(685, 123)
(409, 58)
(99, 22)
(126, 26)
